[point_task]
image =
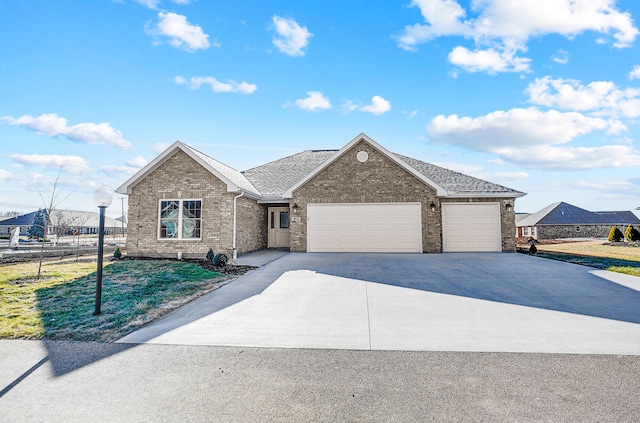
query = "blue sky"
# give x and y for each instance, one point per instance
(543, 97)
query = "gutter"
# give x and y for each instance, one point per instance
(235, 214)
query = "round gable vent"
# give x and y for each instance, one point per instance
(362, 156)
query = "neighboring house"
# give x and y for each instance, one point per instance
(24, 221)
(361, 198)
(68, 222)
(562, 220)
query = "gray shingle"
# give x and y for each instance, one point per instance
(274, 178)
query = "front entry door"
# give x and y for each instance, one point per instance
(278, 227)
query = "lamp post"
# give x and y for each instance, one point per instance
(102, 198)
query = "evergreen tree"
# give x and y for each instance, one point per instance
(615, 235)
(631, 234)
(37, 228)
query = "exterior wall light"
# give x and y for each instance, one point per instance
(508, 206)
(433, 207)
(295, 208)
(102, 198)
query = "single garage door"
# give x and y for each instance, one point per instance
(371, 228)
(471, 227)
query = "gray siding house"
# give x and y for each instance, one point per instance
(361, 198)
(562, 220)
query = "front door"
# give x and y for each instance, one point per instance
(278, 227)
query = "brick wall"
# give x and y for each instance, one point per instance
(181, 177)
(378, 180)
(575, 231)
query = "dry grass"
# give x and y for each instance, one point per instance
(620, 259)
(61, 304)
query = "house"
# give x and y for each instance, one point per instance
(63, 222)
(562, 220)
(23, 221)
(361, 198)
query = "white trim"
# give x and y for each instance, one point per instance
(440, 191)
(180, 218)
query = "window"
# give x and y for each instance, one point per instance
(284, 220)
(180, 219)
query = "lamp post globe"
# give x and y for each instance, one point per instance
(102, 198)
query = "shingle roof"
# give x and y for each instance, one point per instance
(567, 214)
(456, 182)
(274, 178)
(22, 220)
(228, 172)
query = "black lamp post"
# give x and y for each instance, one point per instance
(102, 198)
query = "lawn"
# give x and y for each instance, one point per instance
(61, 304)
(621, 259)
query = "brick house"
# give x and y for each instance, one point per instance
(562, 220)
(361, 198)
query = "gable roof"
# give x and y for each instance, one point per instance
(566, 214)
(363, 137)
(235, 181)
(278, 179)
(22, 220)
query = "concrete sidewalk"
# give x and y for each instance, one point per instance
(467, 302)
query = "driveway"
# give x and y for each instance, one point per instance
(489, 302)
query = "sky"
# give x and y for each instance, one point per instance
(542, 96)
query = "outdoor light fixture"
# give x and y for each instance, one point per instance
(102, 198)
(433, 207)
(295, 208)
(508, 206)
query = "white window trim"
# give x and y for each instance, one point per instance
(180, 203)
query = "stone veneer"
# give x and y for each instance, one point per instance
(381, 180)
(181, 177)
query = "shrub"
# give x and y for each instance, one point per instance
(533, 249)
(631, 234)
(117, 254)
(615, 235)
(210, 256)
(220, 260)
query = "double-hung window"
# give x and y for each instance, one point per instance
(180, 219)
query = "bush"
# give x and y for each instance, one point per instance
(220, 260)
(631, 234)
(210, 256)
(615, 235)
(117, 254)
(533, 249)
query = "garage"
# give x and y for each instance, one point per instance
(471, 227)
(364, 227)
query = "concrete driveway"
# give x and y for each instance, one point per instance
(489, 302)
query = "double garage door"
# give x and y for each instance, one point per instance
(366, 228)
(397, 227)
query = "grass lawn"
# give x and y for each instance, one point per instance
(61, 304)
(594, 254)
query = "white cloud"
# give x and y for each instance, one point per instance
(116, 170)
(635, 72)
(137, 162)
(195, 82)
(378, 106)
(315, 100)
(504, 24)
(531, 138)
(69, 164)
(160, 147)
(181, 33)
(4, 175)
(562, 57)
(602, 98)
(149, 4)
(510, 176)
(53, 125)
(491, 61)
(290, 38)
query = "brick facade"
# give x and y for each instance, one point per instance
(180, 177)
(575, 231)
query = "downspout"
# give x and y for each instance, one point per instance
(235, 214)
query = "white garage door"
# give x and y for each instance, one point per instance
(471, 227)
(379, 228)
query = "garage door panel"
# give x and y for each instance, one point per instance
(471, 227)
(368, 227)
